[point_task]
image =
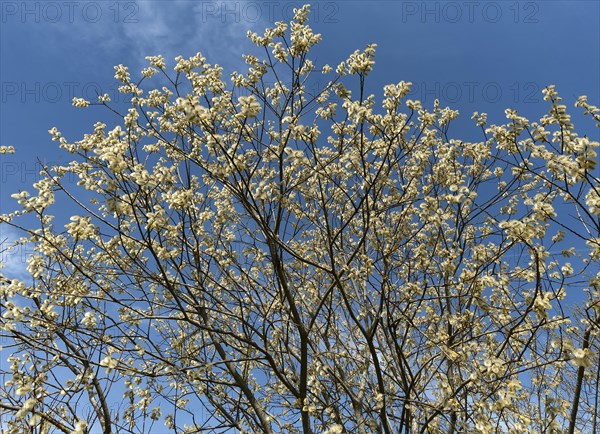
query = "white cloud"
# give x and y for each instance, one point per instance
(13, 258)
(171, 28)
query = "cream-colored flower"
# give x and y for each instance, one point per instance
(122, 73)
(89, 320)
(248, 106)
(362, 63)
(80, 427)
(109, 363)
(27, 408)
(80, 102)
(156, 61)
(582, 357)
(592, 200)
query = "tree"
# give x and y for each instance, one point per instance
(282, 261)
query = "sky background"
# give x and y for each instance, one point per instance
(474, 56)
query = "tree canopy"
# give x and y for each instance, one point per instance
(251, 256)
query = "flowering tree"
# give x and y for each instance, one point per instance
(284, 261)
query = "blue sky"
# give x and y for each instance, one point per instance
(473, 56)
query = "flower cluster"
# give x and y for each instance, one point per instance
(122, 74)
(592, 199)
(80, 102)
(362, 62)
(80, 227)
(248, 106)
(583, 357)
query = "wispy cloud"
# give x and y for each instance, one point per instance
(13, 257)
(130, 31)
